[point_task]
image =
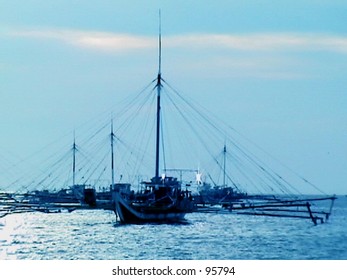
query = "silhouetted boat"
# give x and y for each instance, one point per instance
(162, 198)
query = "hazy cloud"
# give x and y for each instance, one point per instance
(264, 42)
(102, 41)
(114, 42)
(263, 55)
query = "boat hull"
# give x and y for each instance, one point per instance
(128, 214)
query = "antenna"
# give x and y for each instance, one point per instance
(112, 155)
(224, 164)
(159, 43)
(74, 148)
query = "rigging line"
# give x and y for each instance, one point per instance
(203, 127)
(135, 108)
(53, 176)
(195, 109)
(51, 184)
(39, 151)
(196, 119)
(239, 164)
(167, 150)
(205, 118)
(268, 174)
(99, 178)
(221, 170)
(181, 130)
(106, 124)
(84, 160)
(8, 167)
(95, 149)
(147, 143)
(139, 132)
(134, 165)
(204, 109)
(143, 125)
(193, 129)
(129, 99)
(265, 171)
(27, 174)
(234, 155)
(284, 180)
(202, 140)
(131, 148)
(130, 119)
(248, 140)
(64, 162)
(251, 181)
(250, 159)
(219, 159)
(67, 179)
(134, 101)
(63, 158)
(217, 128)
(96, 168)
(45, 183)
(94, 135)
(260, 163)
(162, 142)
(30, 174)
(183, 116)
(281, 163)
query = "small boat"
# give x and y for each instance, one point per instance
(218, 195)
(162, 199)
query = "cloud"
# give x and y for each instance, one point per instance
(261, 42)
(102, 41)
(264, 42)
(280, 56)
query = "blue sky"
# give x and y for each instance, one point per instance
(274, 70)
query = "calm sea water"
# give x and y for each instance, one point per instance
(95, 234)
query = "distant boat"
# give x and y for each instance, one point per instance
(162, 198)
(218, 194)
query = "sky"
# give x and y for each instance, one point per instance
(274, 70)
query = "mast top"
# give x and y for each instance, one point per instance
(159, 72)
(159, 66)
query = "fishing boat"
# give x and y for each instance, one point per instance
(162, 199)
(218, 194)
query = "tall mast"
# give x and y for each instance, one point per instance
(74, 148)
(158, 85)
(224, 164)
(112, 157)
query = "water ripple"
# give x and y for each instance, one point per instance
(96, 235)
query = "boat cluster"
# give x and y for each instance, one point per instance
(164, 200)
